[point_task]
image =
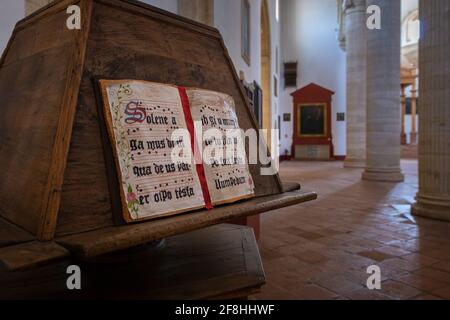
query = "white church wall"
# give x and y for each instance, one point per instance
(168, 5)
(11, 11)
(408, 127)
(309, 36)
(227, 19)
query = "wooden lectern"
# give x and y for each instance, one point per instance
(55, 203)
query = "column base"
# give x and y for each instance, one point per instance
(413, 137)
(431, 207)
(403, 139)
(354, 163)
(383, 176)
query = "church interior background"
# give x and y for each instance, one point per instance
(376, 151)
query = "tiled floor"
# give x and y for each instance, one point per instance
(321, 249)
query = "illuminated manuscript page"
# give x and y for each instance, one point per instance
(141, 117)
(227, 175)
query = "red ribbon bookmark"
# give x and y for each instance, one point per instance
(199, 164)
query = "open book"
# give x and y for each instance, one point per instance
(145, 121)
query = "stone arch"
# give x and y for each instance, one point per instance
(411, 28)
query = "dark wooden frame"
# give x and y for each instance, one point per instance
(313, 94)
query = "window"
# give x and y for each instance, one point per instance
(411, 28)
(277, 62)
(245, 31)
(277, 10)
(290, 74)
(275, 86)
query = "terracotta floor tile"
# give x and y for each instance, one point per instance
(292, 230)
(393, 251)
(289, 263)
(273, 292)
(401, 264)
(443, 266)
(438, 253)
(270, 243)
(427, 297)
(375, 255)
(310, 235)
(321, 249)
(366, 294)
(352, 248)
(434, 273)
(399, 290)
(310, 257)
(314, 292)
(421, 282)
(420, 258)
(339, 284)
(270, 254)
(443, 293)
(286, 237)
(366, 243)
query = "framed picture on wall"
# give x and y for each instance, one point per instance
(312, 120)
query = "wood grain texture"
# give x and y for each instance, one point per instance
(219, 262)
(11, 234)
(289, 186)
(55, 177)
(31, 255)
(33, 76)
(130, 40)
(50, 207)
(214, 262)
(110, 239)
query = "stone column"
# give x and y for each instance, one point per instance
(413, 135)
(433, 198)
(383, 96)
(356, 48)
(403, 102)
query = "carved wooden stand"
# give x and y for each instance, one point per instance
(56, 199)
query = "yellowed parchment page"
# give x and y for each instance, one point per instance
(228, 176)
(141, 117)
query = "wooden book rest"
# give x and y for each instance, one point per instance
(54, 185)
